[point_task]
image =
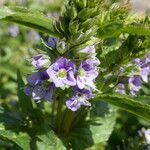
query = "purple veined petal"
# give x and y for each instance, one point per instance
(144, 74)
(148, 58)
(137, 61)
(85, 103)
(135, 80)
(87, 73)
(59, 83)
(91, 84)
(38, 63)
(53, 67)
(67, 82)
(36, 57)
(34, 78)
(145, 78)
(94, 62)
(86, 65)
(38, 92)
(37, 77)
(79, 98)
(70, 80)
(88, 50)
(73, 104)
(61, 62)
(53, 76)
(28, 90)
(92, 74)
(49, 92)
(65, 63)
(121, 85)
(120, 91)
(62, 73)
(120, 88)
(147, 136)
(87, 93)
(140, 62)
(134, 84)
(80, 83)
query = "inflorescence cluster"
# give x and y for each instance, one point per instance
(64, 73)
(139, 75)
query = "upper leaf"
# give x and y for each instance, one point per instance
(128, 104)
(35, 20)
(114, 29)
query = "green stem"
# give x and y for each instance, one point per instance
(79, 116)
(53, 107)
(67, 121)
(59, 115)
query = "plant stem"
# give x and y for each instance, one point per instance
(67, 121)
(59, 115)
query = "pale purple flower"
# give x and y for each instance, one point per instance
(134, 84)
(52, 42)
(121, 69)
(38, 87)
(53, 15)
(40, 91)
(62, 73)
(87, 73)
(89, 50)
(79, 98)
(147, 136)
(148, 58)
(33, 36)
(39, 60)
(37, 77)
(144, 68)
(14, 30)
(144, 73)
(120, 88)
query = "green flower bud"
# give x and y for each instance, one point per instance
(72, 12)
(82, 3)
(73, 26)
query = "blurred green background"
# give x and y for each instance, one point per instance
(18, 44)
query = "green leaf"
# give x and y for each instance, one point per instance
(35, 20)
(24, 101)
(47, 136)
(123, 53)
(21, 139)
(97, 130)
(137, 30)
(129, 104)
(49, 141)
(108, 30)
(102, 129)
(114, 29)
(11, 119)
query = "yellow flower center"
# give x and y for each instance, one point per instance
(82, 72)
(62, 73)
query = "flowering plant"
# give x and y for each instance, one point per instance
(96, 55)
